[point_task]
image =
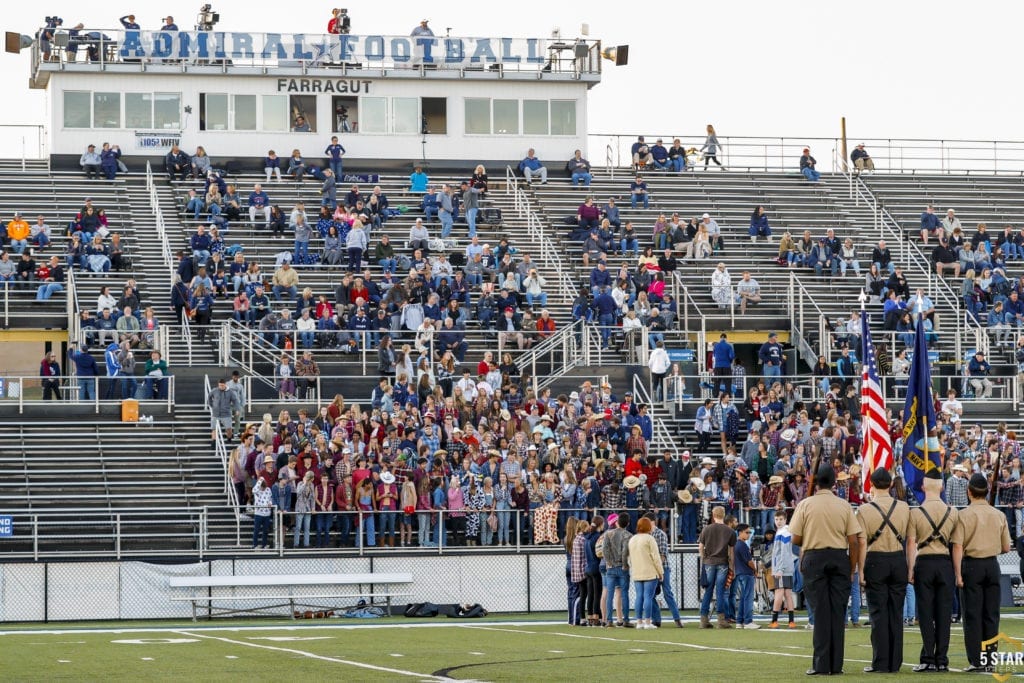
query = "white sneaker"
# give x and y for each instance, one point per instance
(751, 626)
(808, 627)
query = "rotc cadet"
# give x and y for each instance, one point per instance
(931, 571)
(827, 532)
(883, 571)
(980, 536)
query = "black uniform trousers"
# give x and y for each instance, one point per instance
(980, 604)
(933, 592)
(885, 579)
(826, 575)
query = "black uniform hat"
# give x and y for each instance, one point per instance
(881, 478)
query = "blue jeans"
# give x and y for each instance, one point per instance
(129, 385)
(504, 513)
(689, 530)
(260, 530)
(716, 574)
(669, 596)
(300, 253)
(423, 519)
(446, 223)
(279, 289)
(386, 523)
(388, 265)
(607, 323)
(635, 198)
(811, 174)
(653, 338)
(307, 339)
(767, 520)
(195, 205)
(344, 529)
(891, 267)
(630, 244)
(471, 221)
(541, 298)
(853, 610)
(336, 169)
(437, 538)
(49, 289)
(910, 604)
(584, 177)
(663, 165)
(302, 521)
(745, 611)
(616, 578)
(41, 240)
(645, 598)
(677, 164)
(367, 526)
(155, 386)
(772, 371)
(86, 388)
(323, 529)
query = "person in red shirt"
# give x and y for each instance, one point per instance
(484, 366)
(635, 465)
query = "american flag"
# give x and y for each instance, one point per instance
(876, 448)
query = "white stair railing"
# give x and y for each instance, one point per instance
(161, 227)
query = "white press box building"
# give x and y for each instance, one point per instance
(451, 101)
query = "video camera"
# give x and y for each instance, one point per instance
(207, 18)
(344, 21)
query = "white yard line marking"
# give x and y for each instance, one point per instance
(230, 657)
(361, 665)
(147, 659)
(693, 646)
(395, 654)
(285, 639)
(282, 627)
(63, 661)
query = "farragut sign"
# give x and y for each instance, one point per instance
(335, 48)
(339, 85)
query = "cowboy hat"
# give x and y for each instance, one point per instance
(685, 497)
(843, 476)
(707, 461)
(788, 434)
(631, 482)
(387, 478)
(776, 479)
(697, 483)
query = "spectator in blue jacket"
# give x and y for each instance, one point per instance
(579, 170)
(807, 163)
(429, 204)
(177, 163)
(722, 354)
(772, 357)
(600, 278)
(272, 165)
(334, 152)
(759, 225)
(259, 202)
(638, 192)
(531, 166)
(605, 308)
(113, 364)
(930, 223)
(659, 155)
(611, 214)
(108, 160)
(85, 369)
(418, 181)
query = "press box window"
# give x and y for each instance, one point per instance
(77, 109)
(373, 114)
(478, 116)
(346, 114)
(213, 112)
(563, 117)
(167, 110)
(535, 117)
(245, 112)
(435, 115)
(275, 113)
(405, 115)
(106, 109)
(506, 117)
(138, 110)
(304, 106)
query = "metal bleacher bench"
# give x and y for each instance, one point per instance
(289, 590)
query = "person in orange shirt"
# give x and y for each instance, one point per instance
(18, 231)
(545, 325)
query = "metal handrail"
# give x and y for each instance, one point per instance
(161, 227)
(567, 341)
(802, 300)
(68, 390)
(661, 438)
(221, 450)
(891, 155)
(937, 286)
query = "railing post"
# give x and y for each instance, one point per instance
(35, 537)
(117, 536)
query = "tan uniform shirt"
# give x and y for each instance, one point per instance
(824, 521)
(921, 530)
(871, 521)
(981, 530)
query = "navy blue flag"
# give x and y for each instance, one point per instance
(920, 447)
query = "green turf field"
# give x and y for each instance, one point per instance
(514, 648)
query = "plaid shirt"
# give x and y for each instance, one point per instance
(1009, 492)
(956, 491)
(611, 500)
(578, 559)
(402, 474)
(662, 540)
(511, 469)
